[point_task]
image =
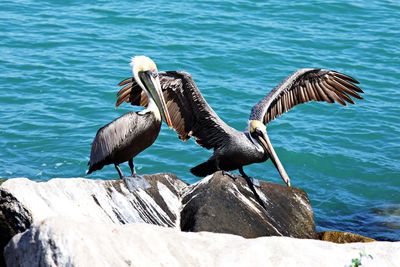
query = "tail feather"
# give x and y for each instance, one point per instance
(94, 167)
(90, 170)
(204, 169)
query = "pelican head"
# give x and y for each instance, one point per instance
(258, 132)
(146, 75)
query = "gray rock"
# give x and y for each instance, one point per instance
(85, 222)
(109, 201)
(220, 204)
(64, 242)
(102, 200)
(14, 218)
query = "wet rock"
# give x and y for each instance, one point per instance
(220, 204)
(343, 237)
(64, 242)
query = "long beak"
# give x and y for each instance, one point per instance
(264, 140)
(154, 88)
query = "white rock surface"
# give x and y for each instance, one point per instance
(63, 242)
(98, 200)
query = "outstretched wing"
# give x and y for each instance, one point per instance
(190, 113)
(131, 93)
(303, 86)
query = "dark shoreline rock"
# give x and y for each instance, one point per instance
(220, 204)
(14, 219)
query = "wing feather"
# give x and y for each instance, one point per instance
(191, 116)
(303, 86)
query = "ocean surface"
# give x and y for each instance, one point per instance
(60, 62)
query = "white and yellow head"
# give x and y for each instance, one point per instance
(142, 63)
(257, 132)
(146, 75)
(257, 125)
(258, 135)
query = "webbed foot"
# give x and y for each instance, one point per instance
(231, 175)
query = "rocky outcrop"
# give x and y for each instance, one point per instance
(215, 204)
(24, 202)
(221, 204)
(64, 242)
(100, 200)
(14, 218)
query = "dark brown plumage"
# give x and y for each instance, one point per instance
(122, 139)
(303, 86)
(190, 114)
(193, 117)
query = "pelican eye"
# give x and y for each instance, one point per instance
(259, 131)
(154, 74)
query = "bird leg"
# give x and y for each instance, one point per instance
(135, 181)
(121, 175)
(250, 183)
(251, 179)
(231, 175)
(132, 166)
(227, 173)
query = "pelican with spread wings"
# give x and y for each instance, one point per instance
(191, 116)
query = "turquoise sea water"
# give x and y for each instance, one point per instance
(60, 63)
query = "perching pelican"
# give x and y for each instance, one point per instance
(192, 116)
(122, 139)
